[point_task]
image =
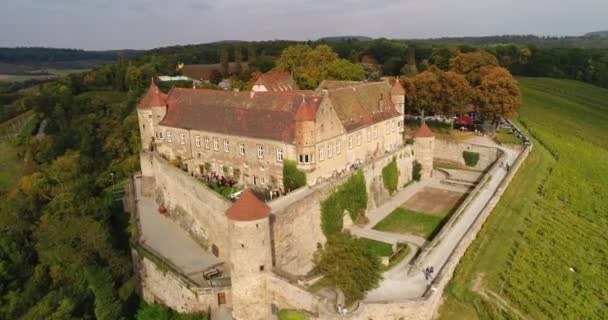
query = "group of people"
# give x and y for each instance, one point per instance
(428, 272)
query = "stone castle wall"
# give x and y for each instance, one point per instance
(167, 288)
(296, 228)
(196, 208)
(451, 152)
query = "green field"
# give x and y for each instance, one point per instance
(407, 221)
(543, 252)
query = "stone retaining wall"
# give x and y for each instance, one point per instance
(451, 152)
(167, 288)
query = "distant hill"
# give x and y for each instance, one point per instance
(344, 38)
(539, 41)
(601, 34)
(37, 57)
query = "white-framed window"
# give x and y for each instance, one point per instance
(226, 146)
(369, 134)
(260, 151)
(388, 127)
(359, 139)
(182, 138)
(375, 129)
(279, 154)
(330, 150)
(242, 149)
(338, 145)
(207, 143)
(216, 145)
(159, 134)
(393, 126)
(169, 137)
(197, 141)
(350, 142)
(321, 153)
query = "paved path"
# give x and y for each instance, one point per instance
(168, 239)
(402, 284)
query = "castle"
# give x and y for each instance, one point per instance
(329, 133)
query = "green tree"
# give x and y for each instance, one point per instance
(410, 69)
(310, 66)
(224, 61)
(121, 72)
(238, 60)
(390, 176)
(349, 265)
(251, 56)
(292, 177)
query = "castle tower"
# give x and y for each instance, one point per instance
(304, 135)
(148, 115)
(424, 145)
(250, 257)
(398, 96)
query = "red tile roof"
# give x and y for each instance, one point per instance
(423, 132)
(362, 104)
(397, 89)
(153, 98)
(306, 112)
(247, 208)
(265, 115)
(203, 71)
(276, 81)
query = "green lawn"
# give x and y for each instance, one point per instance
(407, 221)
(503, 136)
(10, 166)
(381, 249)
(543, 250)
(285, 314)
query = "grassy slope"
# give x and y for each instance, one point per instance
(381, 249)
(552, 217)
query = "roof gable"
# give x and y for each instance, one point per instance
(363, 104)
(276, 81)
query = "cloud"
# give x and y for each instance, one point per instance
(102, 24)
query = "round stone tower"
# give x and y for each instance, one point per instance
(424, 145)
(250, 257)
(146, 115)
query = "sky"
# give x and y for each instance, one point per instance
(146, 24)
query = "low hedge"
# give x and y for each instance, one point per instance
(470, 158)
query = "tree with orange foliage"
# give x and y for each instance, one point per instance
(423, 93)
(497, 95)
(469, 64)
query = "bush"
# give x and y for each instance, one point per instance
(390, 176)
(349, 265)
(416, 168)
(351, 196)
(470, 158)
(292, 177)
